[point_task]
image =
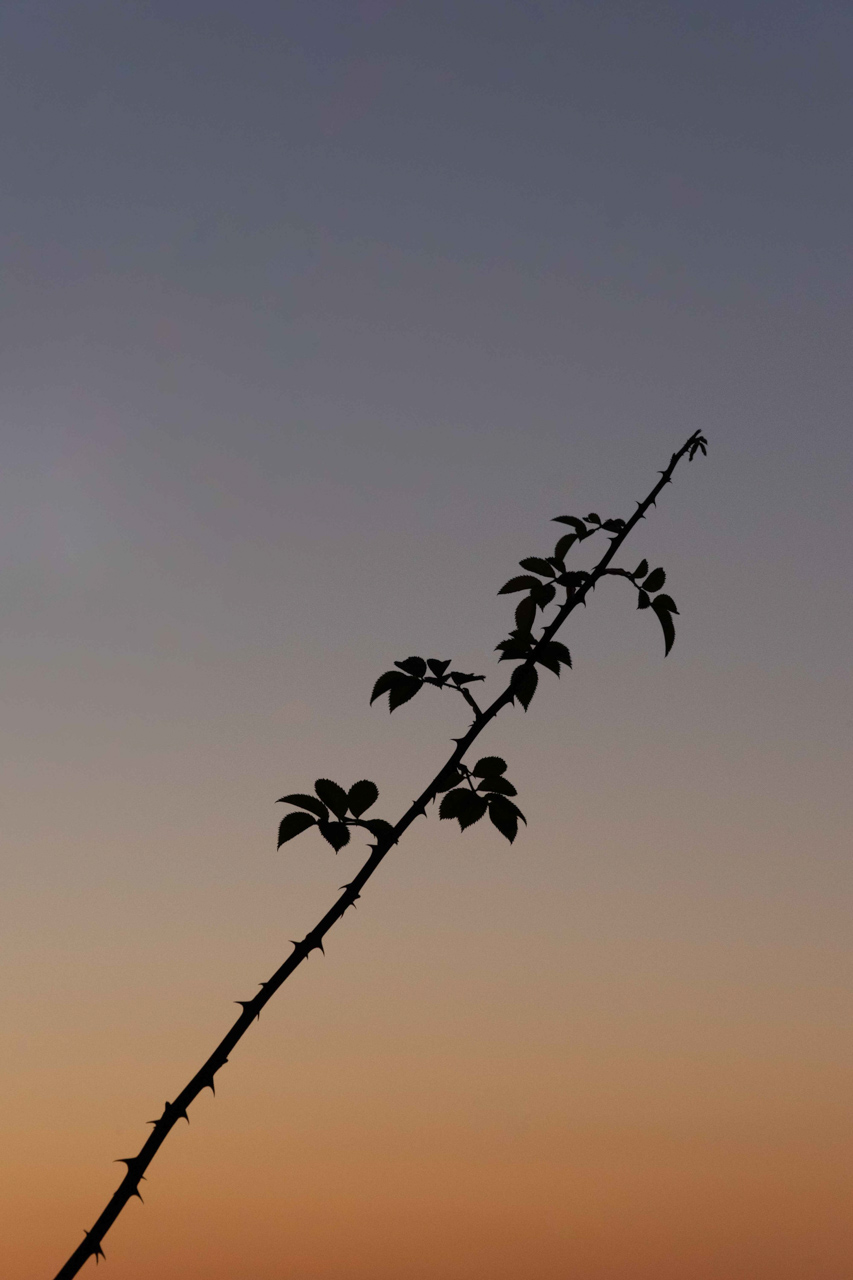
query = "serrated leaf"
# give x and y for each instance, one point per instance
(576, 523)
(463, 805)
(498, 785)
(663, 601)
(563, 544)
(379, 828)
(667, 626)
(402, 692)
(335, 833)
(505, 815)
(385, 682)
(306, 802)
(293, 824)
(522, 583)
(549, 660)
(654, 581)
(641, 569)
(512, 650)
(537, 565)
(361, 796)
(523, 684)
(461, 677)
(543, 594)
(488, 767)
(525, 614)
(614, 526)
(593, 518)
(437, 668)
(643, 601)
(413, 666)
(572, 580)
(560, 651)
(453, 803)
(474, 812)
(333, 796)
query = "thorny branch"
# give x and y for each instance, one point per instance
(136, 1166)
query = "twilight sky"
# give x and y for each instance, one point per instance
(313, 314)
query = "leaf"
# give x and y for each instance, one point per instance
(512, 650)
(577, 524)
(643, 601)
(663, 601)
(453, 803)
(505, 815)
(522, 583)
(537, 565)
(641, 569)
(546, 660)
(488, 767)
(379, 828)
(385, 682)
(335, 833)
(654, 581)
(414, 666)
(361, 796)
(497, 784)
(398, 687)
(543, 594)
(293, 825)
(332, 795)
(402, 692)
(523, 684)
(525, 614)
(306, 802)
(572, 580)
(563, 545)
(437, 668)
(560, 651)
(667, 626)
(549, 660)
(459, 678)
(464, 805)
(614, 526)
(593, 518)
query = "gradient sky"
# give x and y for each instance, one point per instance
(313, 314)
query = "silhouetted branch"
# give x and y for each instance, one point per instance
(492, 791)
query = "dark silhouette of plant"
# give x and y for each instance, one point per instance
(468, 793)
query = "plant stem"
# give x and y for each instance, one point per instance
(204, 1077)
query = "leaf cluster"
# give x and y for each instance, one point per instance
(328, 808)
(411, 676)
(483, 789)
(662, 605)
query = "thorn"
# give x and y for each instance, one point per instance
(135, 1192)
(130, 1162)
(98, 1253)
